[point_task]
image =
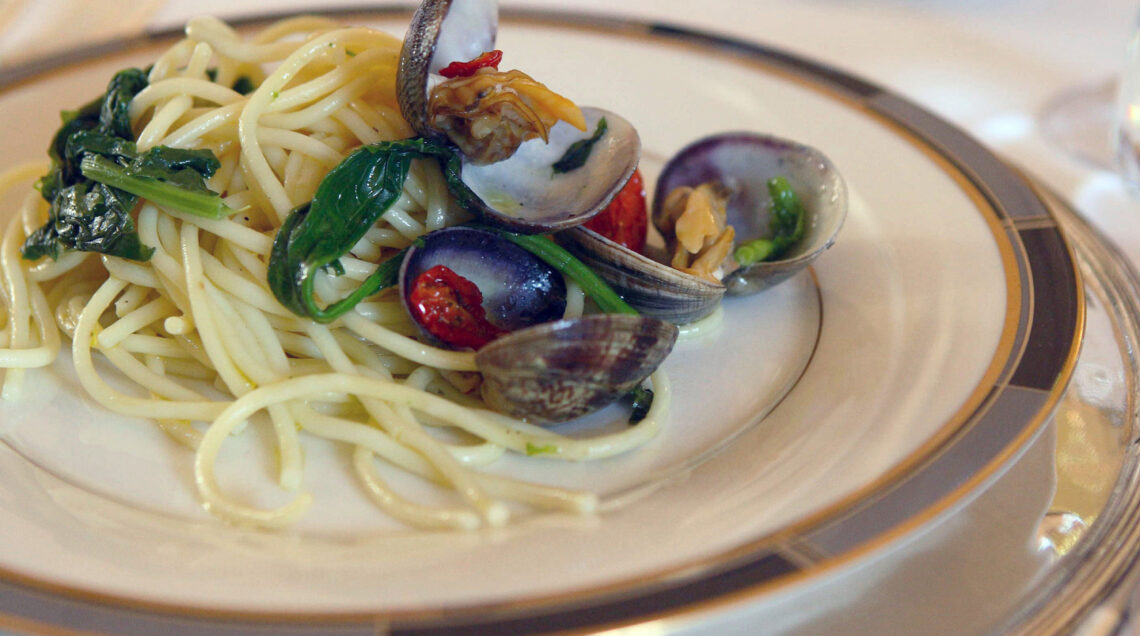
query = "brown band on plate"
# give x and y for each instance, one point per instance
(1046, 339)
(1056, 315)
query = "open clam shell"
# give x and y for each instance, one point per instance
(519, 290)
(744, 162)
(523, 192)
(562, 370)
(652, 288)
(441, 32)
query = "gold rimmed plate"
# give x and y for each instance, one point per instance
(823, 423)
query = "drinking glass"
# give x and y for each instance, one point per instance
(1081, 122)
(1126, 121)
(1100, 124)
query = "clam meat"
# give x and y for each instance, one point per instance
(512, 134)
(743, 163)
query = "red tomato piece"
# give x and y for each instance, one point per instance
(466, 69)
(625, 220)
(450, 307)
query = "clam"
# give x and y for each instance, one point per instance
(528, 160)
(536, 365)
(518, 290)
(508, 139)
(441, 32)
(650, 287)
(742, 163)
(566, 369)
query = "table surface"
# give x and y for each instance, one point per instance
(989, 66)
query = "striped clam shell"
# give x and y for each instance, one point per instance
(566, 369)
(652, 288)
(441, 31)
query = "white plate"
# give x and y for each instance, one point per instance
(827, 420)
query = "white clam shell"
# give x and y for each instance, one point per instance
(522, 193)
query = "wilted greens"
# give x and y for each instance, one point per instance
(98, 176)
(786, 225)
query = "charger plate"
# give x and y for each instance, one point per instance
(825, 422)
(1093, 522)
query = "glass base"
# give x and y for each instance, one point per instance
(1079, 121)
(1092, 526)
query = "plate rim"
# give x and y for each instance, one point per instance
(800, 555)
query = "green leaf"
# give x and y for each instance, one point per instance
(546, 449)
(786, 225)
(348, 201)
(579, 151)
(85, 215)
(642, 401)
(754, 251)
(98, 175)
(114, 115)
(89, 217)
(180, 189)
(86, 118)
(162, 160)
(244, 85)
(96, 142)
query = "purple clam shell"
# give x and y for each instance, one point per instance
(519, 290)
(744, 162)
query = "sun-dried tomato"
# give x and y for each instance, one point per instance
(466, 69)
(625, 220)
(450, 307)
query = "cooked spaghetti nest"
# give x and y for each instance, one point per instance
(204, 341)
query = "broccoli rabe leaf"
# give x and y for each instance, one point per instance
(579, 151)
(89, 217)
(786, 225)
(98, 176)
(348, 201)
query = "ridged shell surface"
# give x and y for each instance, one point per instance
(441, 32)
(570, 368)
(652, 288)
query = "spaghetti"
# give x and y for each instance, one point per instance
(198, 332)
